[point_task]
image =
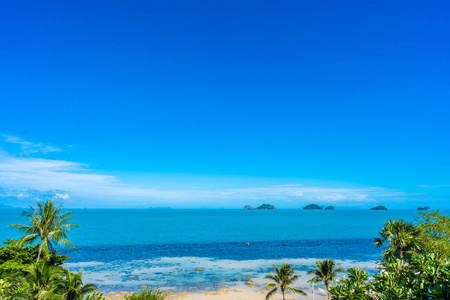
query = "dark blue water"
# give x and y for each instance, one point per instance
(353, 249)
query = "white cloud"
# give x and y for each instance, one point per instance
(62, 196)
(29, 179)
(28, 148)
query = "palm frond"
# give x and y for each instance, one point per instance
(296, 291)
(27, 240)
(271, 293)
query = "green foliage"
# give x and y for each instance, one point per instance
(355, 286)
(439, 292)
(424, 276)
(283, 277)
(399, 239)
(5, 286)
(414, 279)
(48, 223)
(73, 287)
(325, 272)
(95, 296)
(24, 277)
(39, 281)
(14, 258)
(435, 229)
(42, 281)
(147, 294)
(415, 263)
(11, 287)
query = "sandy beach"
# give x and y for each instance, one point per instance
(224, 294)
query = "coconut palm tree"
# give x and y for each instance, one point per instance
(47, 222)
(283, 277)
(42, 280)
(353, 287)
(73, 287)
(325, 272)
(402, 236)
(95, 296)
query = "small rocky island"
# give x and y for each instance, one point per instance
(381, 207)
(424, 208)
(331, 207)
(4, 206)
(262, 207)
(313, 207)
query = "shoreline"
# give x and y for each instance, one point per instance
(225, 294)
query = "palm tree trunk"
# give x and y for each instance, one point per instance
(328, 292)
(41, 246)
(401, 252)
(282, 292)
(39, 253)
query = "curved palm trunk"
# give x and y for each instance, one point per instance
(327, 285)
(39, 253)
(282, 292)
(43, 240)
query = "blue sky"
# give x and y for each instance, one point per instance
(225, 103)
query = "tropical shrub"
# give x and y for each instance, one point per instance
(95, 296)
(73, 288)
(426, 276)
(435, 232)
(415, 263)
(147, 294)
(5, 286)
(24, 277)
(353, 286)
(14, 258)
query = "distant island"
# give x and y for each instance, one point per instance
(160, 207)
(4, 206)
(381, 207)
(313, 207)
(424, 208)
(331, 207)
(262, 207)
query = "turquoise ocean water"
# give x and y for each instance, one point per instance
(125, 249)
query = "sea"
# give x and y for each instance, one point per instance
(208, 249)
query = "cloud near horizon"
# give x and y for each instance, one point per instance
(24, 180)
